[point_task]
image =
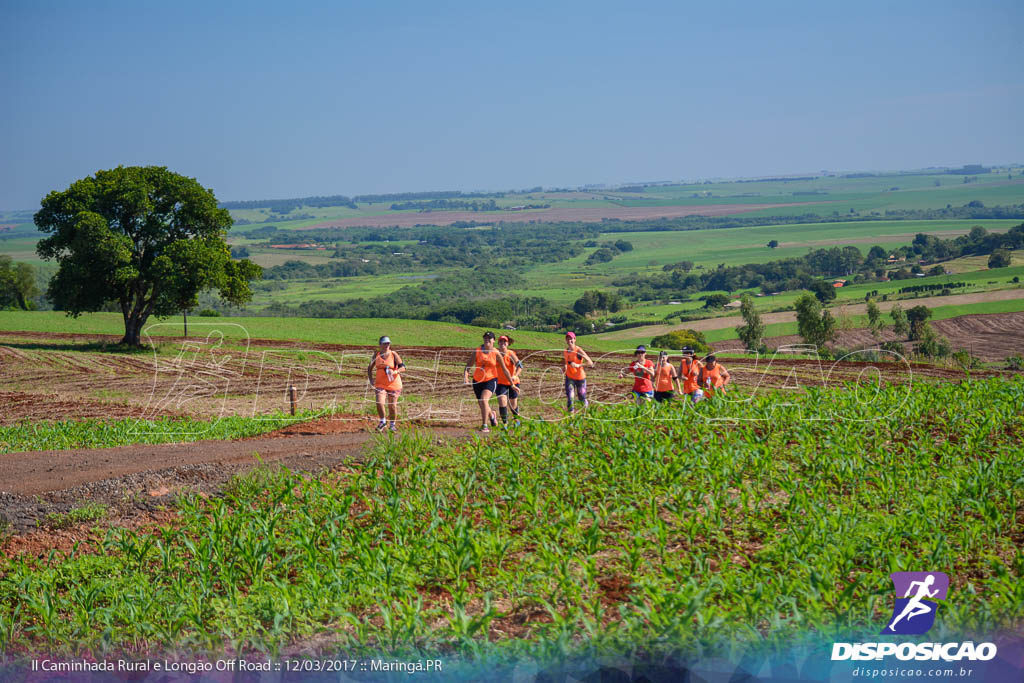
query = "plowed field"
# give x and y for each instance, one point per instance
(991, 337)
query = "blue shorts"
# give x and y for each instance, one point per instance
(644, 394)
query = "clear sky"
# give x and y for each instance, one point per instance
(274, 99)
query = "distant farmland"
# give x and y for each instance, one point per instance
(553, 215)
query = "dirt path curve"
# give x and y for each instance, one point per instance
(36, 472)
(790, 316)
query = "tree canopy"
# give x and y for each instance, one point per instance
(17, 284)
(143, 237)
(815, 325)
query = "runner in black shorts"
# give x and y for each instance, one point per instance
(485, 366)
(508, 381)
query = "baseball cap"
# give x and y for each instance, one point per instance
(641, 349)
(504, 338)
(570, 334)
(488, 335)
(711, 357)
(687, 350)
(384, 340)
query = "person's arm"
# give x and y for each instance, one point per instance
(725, 376)
(399, 365)
(470, 364)
(590, 363)
(369, 370)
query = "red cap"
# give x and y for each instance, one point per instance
(570, 334)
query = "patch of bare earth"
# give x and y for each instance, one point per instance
(989, 336)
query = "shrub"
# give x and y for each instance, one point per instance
(1015, 362)
(209, 313)
(680, 338)
(966, 361)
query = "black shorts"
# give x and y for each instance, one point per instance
(480, 387)
(509, 390)
(660, 396)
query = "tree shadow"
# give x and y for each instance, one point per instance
(87, 347)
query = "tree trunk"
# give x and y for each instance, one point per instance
(132, 330)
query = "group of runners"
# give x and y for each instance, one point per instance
(494, 370)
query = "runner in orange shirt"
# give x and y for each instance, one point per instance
(508, 383)
(714, 376)
(573, 360)
(385, 374)
(689, 374)
(486, 366)
(642, 369)
(666, 378)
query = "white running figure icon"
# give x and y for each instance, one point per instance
(915, 607)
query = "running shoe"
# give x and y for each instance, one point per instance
(394, 428)
(381, 426)
(485, 430)
(494, 419)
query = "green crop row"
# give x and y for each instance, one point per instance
(69, 434)
(695, 529)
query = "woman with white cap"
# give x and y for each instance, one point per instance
(574, 359)
(385, 374)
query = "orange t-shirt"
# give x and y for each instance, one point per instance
(381, 365)
(510, 360)
(717, 375)
(574, 356)
(486, 366)
(665, 378)
(689, 370)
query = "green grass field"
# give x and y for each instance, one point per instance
(664, 532)
(354, 331)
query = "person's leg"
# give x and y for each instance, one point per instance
(485, 406)
(513, 400)
(502, 395)
(381, 396)
(569, 385)
(393, 409)
(581, 392)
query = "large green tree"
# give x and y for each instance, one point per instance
(144, 237)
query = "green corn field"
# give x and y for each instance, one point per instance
(678, 528)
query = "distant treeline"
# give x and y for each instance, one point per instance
(477, 296)
(508, 246)
(287, 205)
(932, 287)
(447, 204)
(415, 196)
(778, 180)
(804, 272)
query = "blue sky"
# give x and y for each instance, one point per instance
(262, 100)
